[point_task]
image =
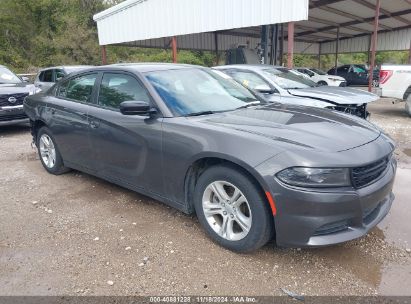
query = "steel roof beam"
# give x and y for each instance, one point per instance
(335, 24)
(362, 35)
(303, 27)
(384, 11)
(319, 3)
(351, 16)
(355, 22)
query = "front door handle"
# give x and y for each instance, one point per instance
(94, 124)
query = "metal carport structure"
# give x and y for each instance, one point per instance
(311, 27)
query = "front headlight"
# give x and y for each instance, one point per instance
(316, 177)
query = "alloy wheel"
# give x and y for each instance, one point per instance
(227, 210)
(47, 151)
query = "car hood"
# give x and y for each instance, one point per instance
(337, 95)
(16, 88)
(297, 127)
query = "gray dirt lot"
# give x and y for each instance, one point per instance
(71, 234)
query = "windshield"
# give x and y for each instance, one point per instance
(194, 90)
(287, 79)
(7, 76)
(319, 72)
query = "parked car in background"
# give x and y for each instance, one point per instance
(395, 82)
(322, 78)
(279, 84)
(13, 90)
(47, 77)
(356, 74)
(197, 140)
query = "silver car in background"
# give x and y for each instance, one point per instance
(47, 77)
(279, 84)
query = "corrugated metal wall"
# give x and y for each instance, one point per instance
(390, 41)
(137, 20)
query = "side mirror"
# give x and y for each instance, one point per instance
(25, 79)
(136, 108)
(59, 78)
(264, 89)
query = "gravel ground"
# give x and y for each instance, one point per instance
(78, 235)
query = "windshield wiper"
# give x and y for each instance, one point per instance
(250, 104)
(200, 113)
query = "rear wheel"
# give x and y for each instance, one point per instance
(232, 209)
(322, 83)
(49, 154)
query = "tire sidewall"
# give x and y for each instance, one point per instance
(56, 169)
(262, 221)
(408, 105)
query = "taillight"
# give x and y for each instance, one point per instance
(385, 75)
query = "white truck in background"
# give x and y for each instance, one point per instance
(395, 82)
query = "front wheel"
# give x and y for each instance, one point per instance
(232, 209)
(49, 154)
(408, 105)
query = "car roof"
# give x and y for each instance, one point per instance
(138, 67)
(63, 67)
(150, 66)
(252, 67)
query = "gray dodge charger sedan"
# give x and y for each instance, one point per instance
(200, 142)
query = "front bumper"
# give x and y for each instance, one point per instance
(10, 115)
(315, 218)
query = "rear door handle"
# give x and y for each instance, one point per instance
(94, 124)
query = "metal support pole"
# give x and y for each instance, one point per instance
(369, 50)
(264, 43)
(319, 55)
(282, 44)
(275, 48)
(337, 44)
(103, 55)
(290, 45)
(374, 45)
(174, 48)
(216, 48)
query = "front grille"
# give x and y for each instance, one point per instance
(12, 117)
(357, 110)
(4, 99)
(331, 228)
(363, 176)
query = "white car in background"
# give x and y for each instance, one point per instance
(395, 82)
(322, 78)
(279, 84)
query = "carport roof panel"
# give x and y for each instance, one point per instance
(136, 20)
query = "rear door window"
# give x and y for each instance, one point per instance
(116, 88)
(48, 76)
(79, 88)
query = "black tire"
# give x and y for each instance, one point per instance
(408, 105)
(322, 83)
(262, 224)
(58, 167)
